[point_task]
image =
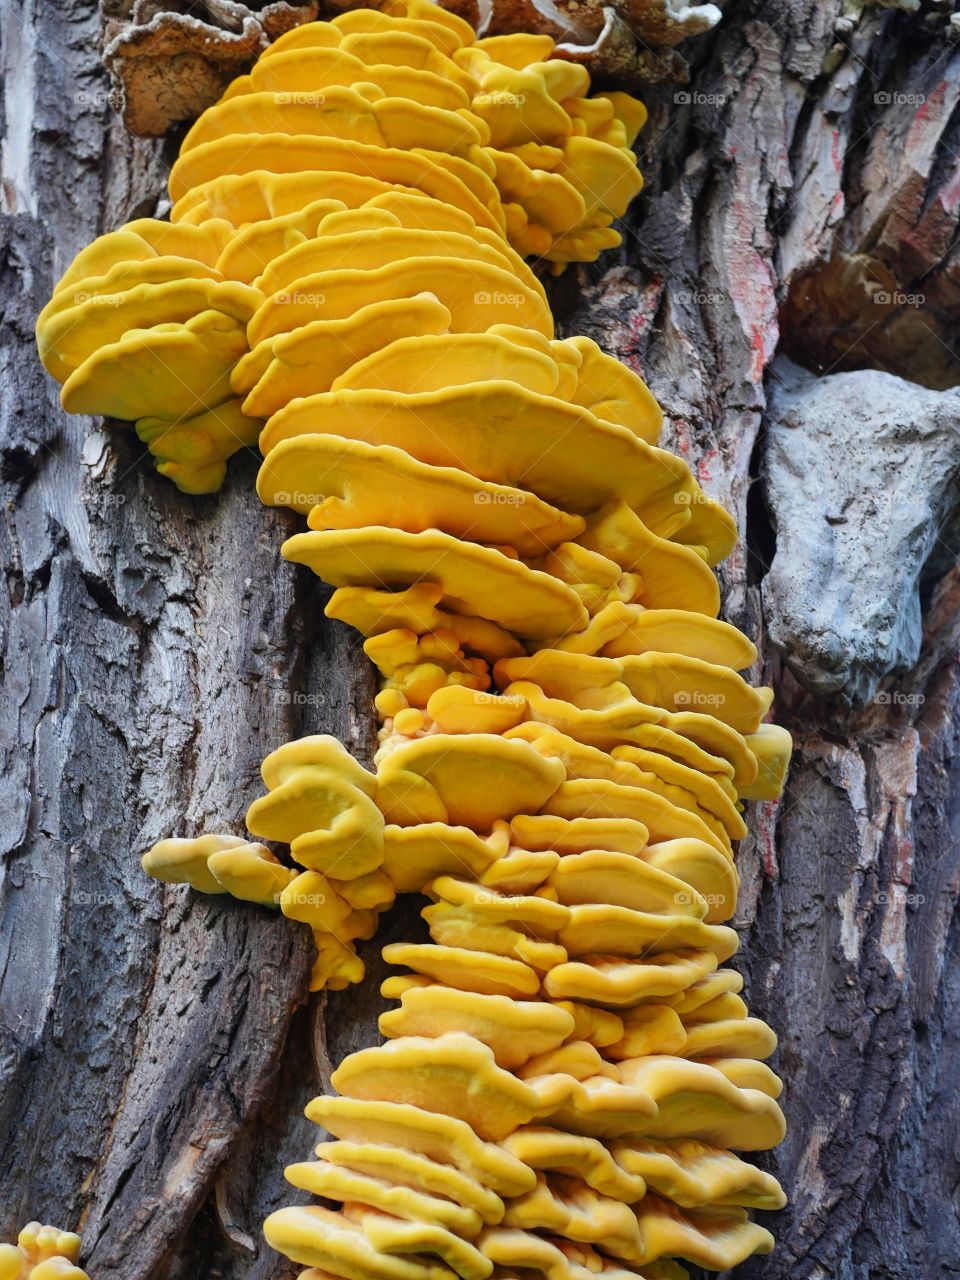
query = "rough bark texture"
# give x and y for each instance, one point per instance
(157, 1047)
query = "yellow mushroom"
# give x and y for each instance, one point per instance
(461, 926)
(431, 1134)
(521, 871)
(419, 1237)
(337, 1182)
(251, 872)
(337, 964)
(41, 1253)
(601, 877)
(734, 1037)
(621, 931)
(513, 1249)
(689, 788)
(453, 1074)
(552, 1150)
(477, 581)
(690, 1173)
(141, 241)
(193, 451)
(348, 484)
(579, 835)
(747, 1074)
(469, 779)
(170, 368)
(179, 861)
(649, 1029)
(470, 427)
(714, 1237)
(464, 969)
(771, 745)
(697, 1100)
(413, 856)
(408, 1168)
(621, 983)
(104, 310)
(663, 819)
(598, 1106)
(570, 1207)
(320, 1238)
(320, 803)
(516, 1030)
(621, 629)
(307, 360)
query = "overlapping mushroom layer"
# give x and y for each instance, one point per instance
(388, 138)
(566, 742)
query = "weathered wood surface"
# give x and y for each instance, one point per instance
(156, 1045)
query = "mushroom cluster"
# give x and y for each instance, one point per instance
(376, 177)
(41, 1253)
(566, 742)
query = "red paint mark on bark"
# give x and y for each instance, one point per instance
(751, 288)
(764, 343)
(704, 474)
(682, 430)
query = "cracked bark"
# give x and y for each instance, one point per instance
(157, 1047)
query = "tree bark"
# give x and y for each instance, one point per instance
(157, 1045)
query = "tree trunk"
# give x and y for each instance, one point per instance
(158, 1045)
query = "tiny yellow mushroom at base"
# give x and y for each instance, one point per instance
(41, 1253)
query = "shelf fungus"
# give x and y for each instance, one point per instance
(567, 740)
